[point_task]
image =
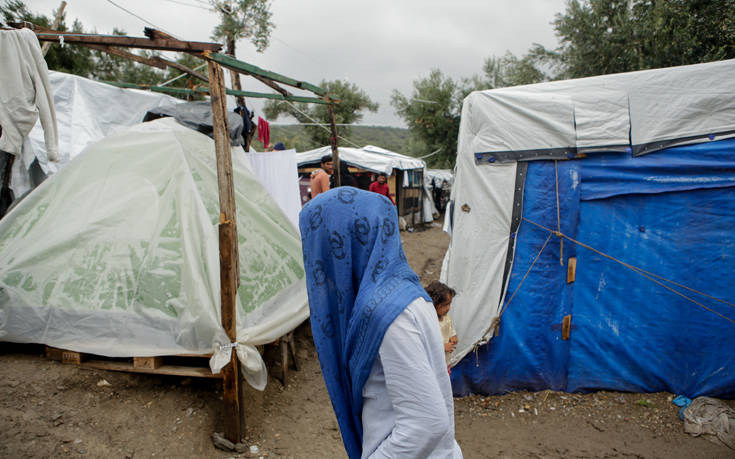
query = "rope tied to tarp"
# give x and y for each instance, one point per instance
(648, 275)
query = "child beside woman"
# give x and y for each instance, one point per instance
(442, 295)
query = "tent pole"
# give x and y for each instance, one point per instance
(335, 150)
(228, 253)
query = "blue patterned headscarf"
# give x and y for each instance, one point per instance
(358, 282)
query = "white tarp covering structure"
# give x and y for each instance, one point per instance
(374, 159)
(439, 176)
(638, 112)
(117, 254)
(86, 111)
(279, 175)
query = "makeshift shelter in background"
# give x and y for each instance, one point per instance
(117, 254)
(594, 217)
(405, 174)
(440, 183)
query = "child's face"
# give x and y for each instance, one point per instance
(443, 308)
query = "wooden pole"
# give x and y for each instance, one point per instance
(228, 253)
(57, 21)
(335, 150)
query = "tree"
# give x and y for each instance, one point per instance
(610, 36)
(432, 114)
(249, 19)
(353, 101)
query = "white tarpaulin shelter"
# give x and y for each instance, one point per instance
(117, 254)
(374, 159)
(86, 111)
(637, 112)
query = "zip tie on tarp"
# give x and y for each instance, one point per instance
(224, 347)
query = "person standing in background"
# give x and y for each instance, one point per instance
(381, 187)
(319, 181)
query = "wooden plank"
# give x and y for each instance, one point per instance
(124, 54)
(566, 327)
(571, 269)
(71, 357)
(335, 150)
(249, 69)
(194, 47)
(149, 363)
(182, 68)
(205, 90)
(53, 353)
(271, 85)
(57, 21)
(228, 254)
(172, 370)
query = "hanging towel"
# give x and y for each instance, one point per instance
(25, 93)
(264, 132)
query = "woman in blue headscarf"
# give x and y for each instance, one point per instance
(375, 330)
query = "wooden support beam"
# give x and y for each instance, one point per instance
(335, 150)
(122, 41)
(153, 62)
(249, 69)
(229, 274)
(182, 68)
(205, 90)
(57, 21)
(271, 85)
(148, 363)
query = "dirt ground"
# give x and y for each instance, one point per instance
(52, 410)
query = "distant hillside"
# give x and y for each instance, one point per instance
(294, 136)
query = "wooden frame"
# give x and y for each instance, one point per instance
(228, 247)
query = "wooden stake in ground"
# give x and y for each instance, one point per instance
(228, 253)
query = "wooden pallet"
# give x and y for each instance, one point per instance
(192, 365)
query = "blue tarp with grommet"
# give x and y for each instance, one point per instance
(671, 215)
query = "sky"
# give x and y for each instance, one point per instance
(379, 45)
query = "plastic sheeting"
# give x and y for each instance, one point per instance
(480, 234)
(88, 111)
(627, 332)
(370, 158)
(117, 254)
(198, 116)
(646, 111)
(278, 173)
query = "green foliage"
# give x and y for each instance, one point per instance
(611, 36)
(249, 19)
(391, 138)
(432, 113)
(510, 70)
(353, 101)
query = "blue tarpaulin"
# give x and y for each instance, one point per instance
(670, 213)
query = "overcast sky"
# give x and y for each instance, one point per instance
(379, 45)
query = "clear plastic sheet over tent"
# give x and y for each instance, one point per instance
(117, 254)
